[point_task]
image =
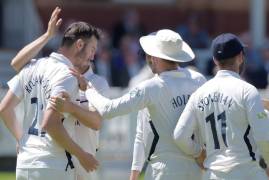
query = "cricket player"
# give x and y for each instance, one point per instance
(165, 96)
(229, 116)
(87, 136)
(46, 144)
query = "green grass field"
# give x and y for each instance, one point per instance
(11, 176)
(7, 176)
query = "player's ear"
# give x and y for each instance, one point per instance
(80, 44)
(153, 59)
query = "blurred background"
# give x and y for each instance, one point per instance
(117, 58)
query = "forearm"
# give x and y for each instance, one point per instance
(29, 52)
(134, 175)
(90, 118)
(138, 155)
(59, 134)
(188, 146)
(54, 127)
(7, 113)
(115, 107)
(183, 139)
(12, 123)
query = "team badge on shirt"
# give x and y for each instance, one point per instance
(135, 93)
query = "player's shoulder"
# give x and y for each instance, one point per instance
(149, 85)
(204, 88)
(153, 82)
(248, 88)
(34, 63)
(194, 75)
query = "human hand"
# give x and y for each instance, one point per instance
(200, 159)
(88, 162)
(61, 103)
(54, 23)
(134, 175)
(82, 82)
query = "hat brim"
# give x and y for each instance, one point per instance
(149, 45)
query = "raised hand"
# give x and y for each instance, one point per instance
(54, 22)
(61, 103)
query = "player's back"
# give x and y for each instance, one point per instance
(223, 112)
(39, 80)
(168, 96)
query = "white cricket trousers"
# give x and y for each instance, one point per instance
(248, 171)
(44, 174)
(173, 168)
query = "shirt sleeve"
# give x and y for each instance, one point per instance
(139, 151)
(15, 86)
(104, 88)
(187, 126)
(134, 100)
(202, 80)
(67, 83)
(256, 115)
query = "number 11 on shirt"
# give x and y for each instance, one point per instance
(211, 120)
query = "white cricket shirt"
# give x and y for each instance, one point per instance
(165, 97)
(86, 137)
(34, 85)
(229, 115)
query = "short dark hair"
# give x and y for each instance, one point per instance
(226, 62)
(79, 30)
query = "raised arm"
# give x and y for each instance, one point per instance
(89, 117)
(134, 100)
(32, 49)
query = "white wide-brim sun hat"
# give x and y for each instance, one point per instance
(168, 45)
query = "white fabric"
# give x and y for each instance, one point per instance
(165, 96)
(44, 174)
(142, 141)
(36, 82)
(87, 138)
(248, 171)
(233, 109)
(171, 167)
(168, 45)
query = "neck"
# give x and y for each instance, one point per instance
(67, 53)
(84, 70)
(234, 69)
(167, 67)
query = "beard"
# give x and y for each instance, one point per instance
(81, 56)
